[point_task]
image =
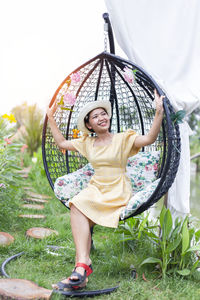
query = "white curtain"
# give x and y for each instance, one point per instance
(163, 37)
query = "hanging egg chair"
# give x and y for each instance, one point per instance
(104, 77)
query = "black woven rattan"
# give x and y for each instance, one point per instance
(102, 78)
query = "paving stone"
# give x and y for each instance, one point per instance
(21, 289)
(40, 232)
(35, 200)
(33, 216)
(24, 172)
(6, 239)
(39, 196)
(33, 206)
(28, 188)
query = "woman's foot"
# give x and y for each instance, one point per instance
(64, 285)
(78, 278)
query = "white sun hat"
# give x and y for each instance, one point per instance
(88, 108)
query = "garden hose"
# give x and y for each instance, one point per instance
(7, 261)
(67, 294)
(86, 293)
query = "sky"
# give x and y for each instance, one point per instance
(42, 41)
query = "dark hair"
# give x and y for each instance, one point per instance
(86, 119)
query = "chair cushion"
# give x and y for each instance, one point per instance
(138, 199)
(71, 184)
(141, 169)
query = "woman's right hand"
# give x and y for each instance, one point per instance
(51, 110)
(60, 140)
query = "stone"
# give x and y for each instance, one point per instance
(22, 289)
(6, 239)
(33, 216)
(28, 188)
(35, 200)
(33, 206)
(40, 232)
(39, 196)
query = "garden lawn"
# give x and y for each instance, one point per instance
(113, 260)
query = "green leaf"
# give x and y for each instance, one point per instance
(152, 235)
(167, 225)
(194, 248)
(195, 266)
(127, 239)
(178, 116)
(176, 231)
(197, 235)
(66, 108)
(172, 246)
(185, 237)
(151, 260)
(184, 272)
(162, 215)
(61, 101)
(15, 167)
(191, 234)
(142, 225)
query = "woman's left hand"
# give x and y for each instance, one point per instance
(158, 102)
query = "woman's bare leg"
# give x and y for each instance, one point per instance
(81, 225)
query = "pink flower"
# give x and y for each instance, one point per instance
(148, 168)
(8, 141)
(128, 75)
(23, 148)
(88, 173)
(75, 77)
(60, 182)
(2, 185)
(69, 99)
(155, 167)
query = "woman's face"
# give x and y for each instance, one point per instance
(99, 120)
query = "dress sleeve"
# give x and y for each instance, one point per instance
(128, 143)
(81, 144)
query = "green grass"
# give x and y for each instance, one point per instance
(112, 260)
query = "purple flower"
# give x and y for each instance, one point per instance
(128, 75)
(2, 186)
(69, 99)
(75, 77)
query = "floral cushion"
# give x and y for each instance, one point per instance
(141, 169)
(71, 184)
(138, 199)
(135, 202)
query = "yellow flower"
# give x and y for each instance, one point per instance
(11, 118)
(5, 116)
(75, 133)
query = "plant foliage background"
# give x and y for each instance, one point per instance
(148, 259)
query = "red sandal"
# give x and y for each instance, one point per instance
(81, 278)
(75, 283)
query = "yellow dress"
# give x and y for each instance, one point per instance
(109, 189)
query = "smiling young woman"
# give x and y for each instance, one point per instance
(109, 190)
